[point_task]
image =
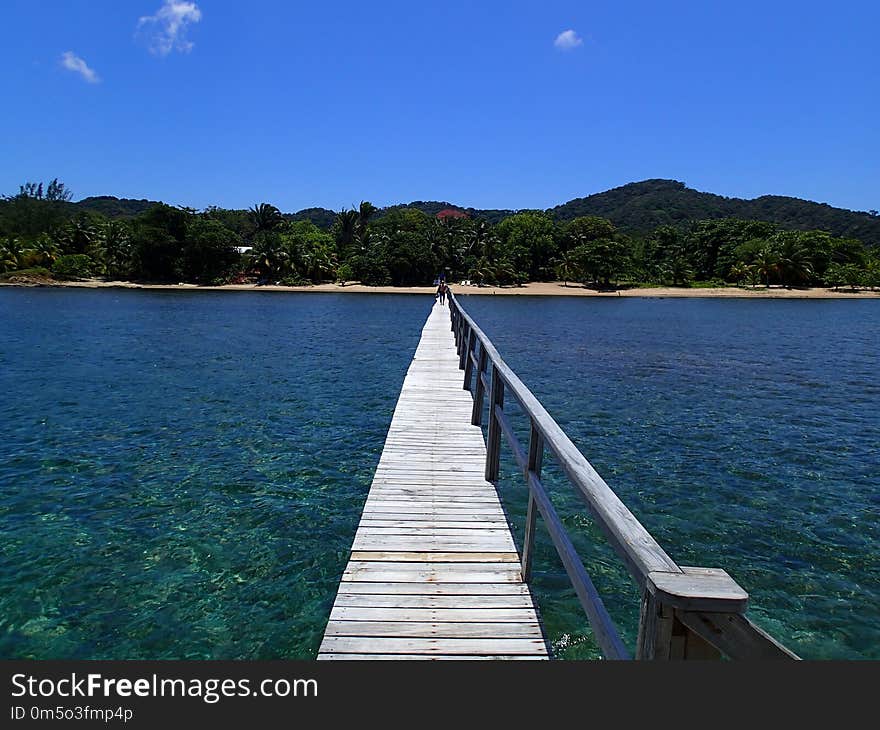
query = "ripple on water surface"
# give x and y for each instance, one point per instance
(743, 434)
(182, 473)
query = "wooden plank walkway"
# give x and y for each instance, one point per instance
(434, 572)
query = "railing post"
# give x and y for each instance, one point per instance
(479, 391)
(667, 597)
(493, 440)
(468, 362)
(655, 629)
(536, 458)
(463, 342)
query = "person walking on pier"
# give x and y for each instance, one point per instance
(441, 292)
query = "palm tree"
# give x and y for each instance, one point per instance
(567, 267)
(79, 235)
(270, 257)
(839, 275)
(115, 246)
(481, 271)
(366, 210)
(442, 237)
(46, 250)
(473, 239)
(872, 273)
(765, 263)
(505, 272)
(345, 229)
(793, 261)
(482, 242)
(678, 270)
(362, 232)
(265, 217)
(740, 272)
(320, 263)
(12, 254)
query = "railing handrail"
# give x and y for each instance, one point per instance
(706, 604)
(629, 538)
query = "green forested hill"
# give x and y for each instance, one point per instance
(432, 207)
(806, 215)
(642, 206)
(113, 207)
(321, 217)
(429, 207)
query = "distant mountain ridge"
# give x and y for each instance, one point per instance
(642, 206)
(637, 207)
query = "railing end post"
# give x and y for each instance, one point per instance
(664, 632)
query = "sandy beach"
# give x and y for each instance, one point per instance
(533, 289)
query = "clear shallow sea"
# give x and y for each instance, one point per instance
(182, 473)
(743, 434)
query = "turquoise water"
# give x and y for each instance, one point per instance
(743, 434)
(182, 473)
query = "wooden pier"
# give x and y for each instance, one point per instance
(434, 572)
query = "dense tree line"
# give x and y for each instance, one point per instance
(408, 246)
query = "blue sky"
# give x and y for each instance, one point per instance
(489, 104)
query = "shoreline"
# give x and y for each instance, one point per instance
(532, 289)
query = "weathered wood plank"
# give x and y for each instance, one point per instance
(429, 529)
(429, 556)
(524, 615)
(397, 572)
(329, 656)
(474, 537)
(437, 629)
(451, 507)
(388, 645)
(431, 493)
(448, 588)
(416, 520)
(457, 550)
(360, 600)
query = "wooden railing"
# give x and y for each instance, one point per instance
(685, 612)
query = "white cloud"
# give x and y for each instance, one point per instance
(72, 62)
(166, 30)
(568, 40)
